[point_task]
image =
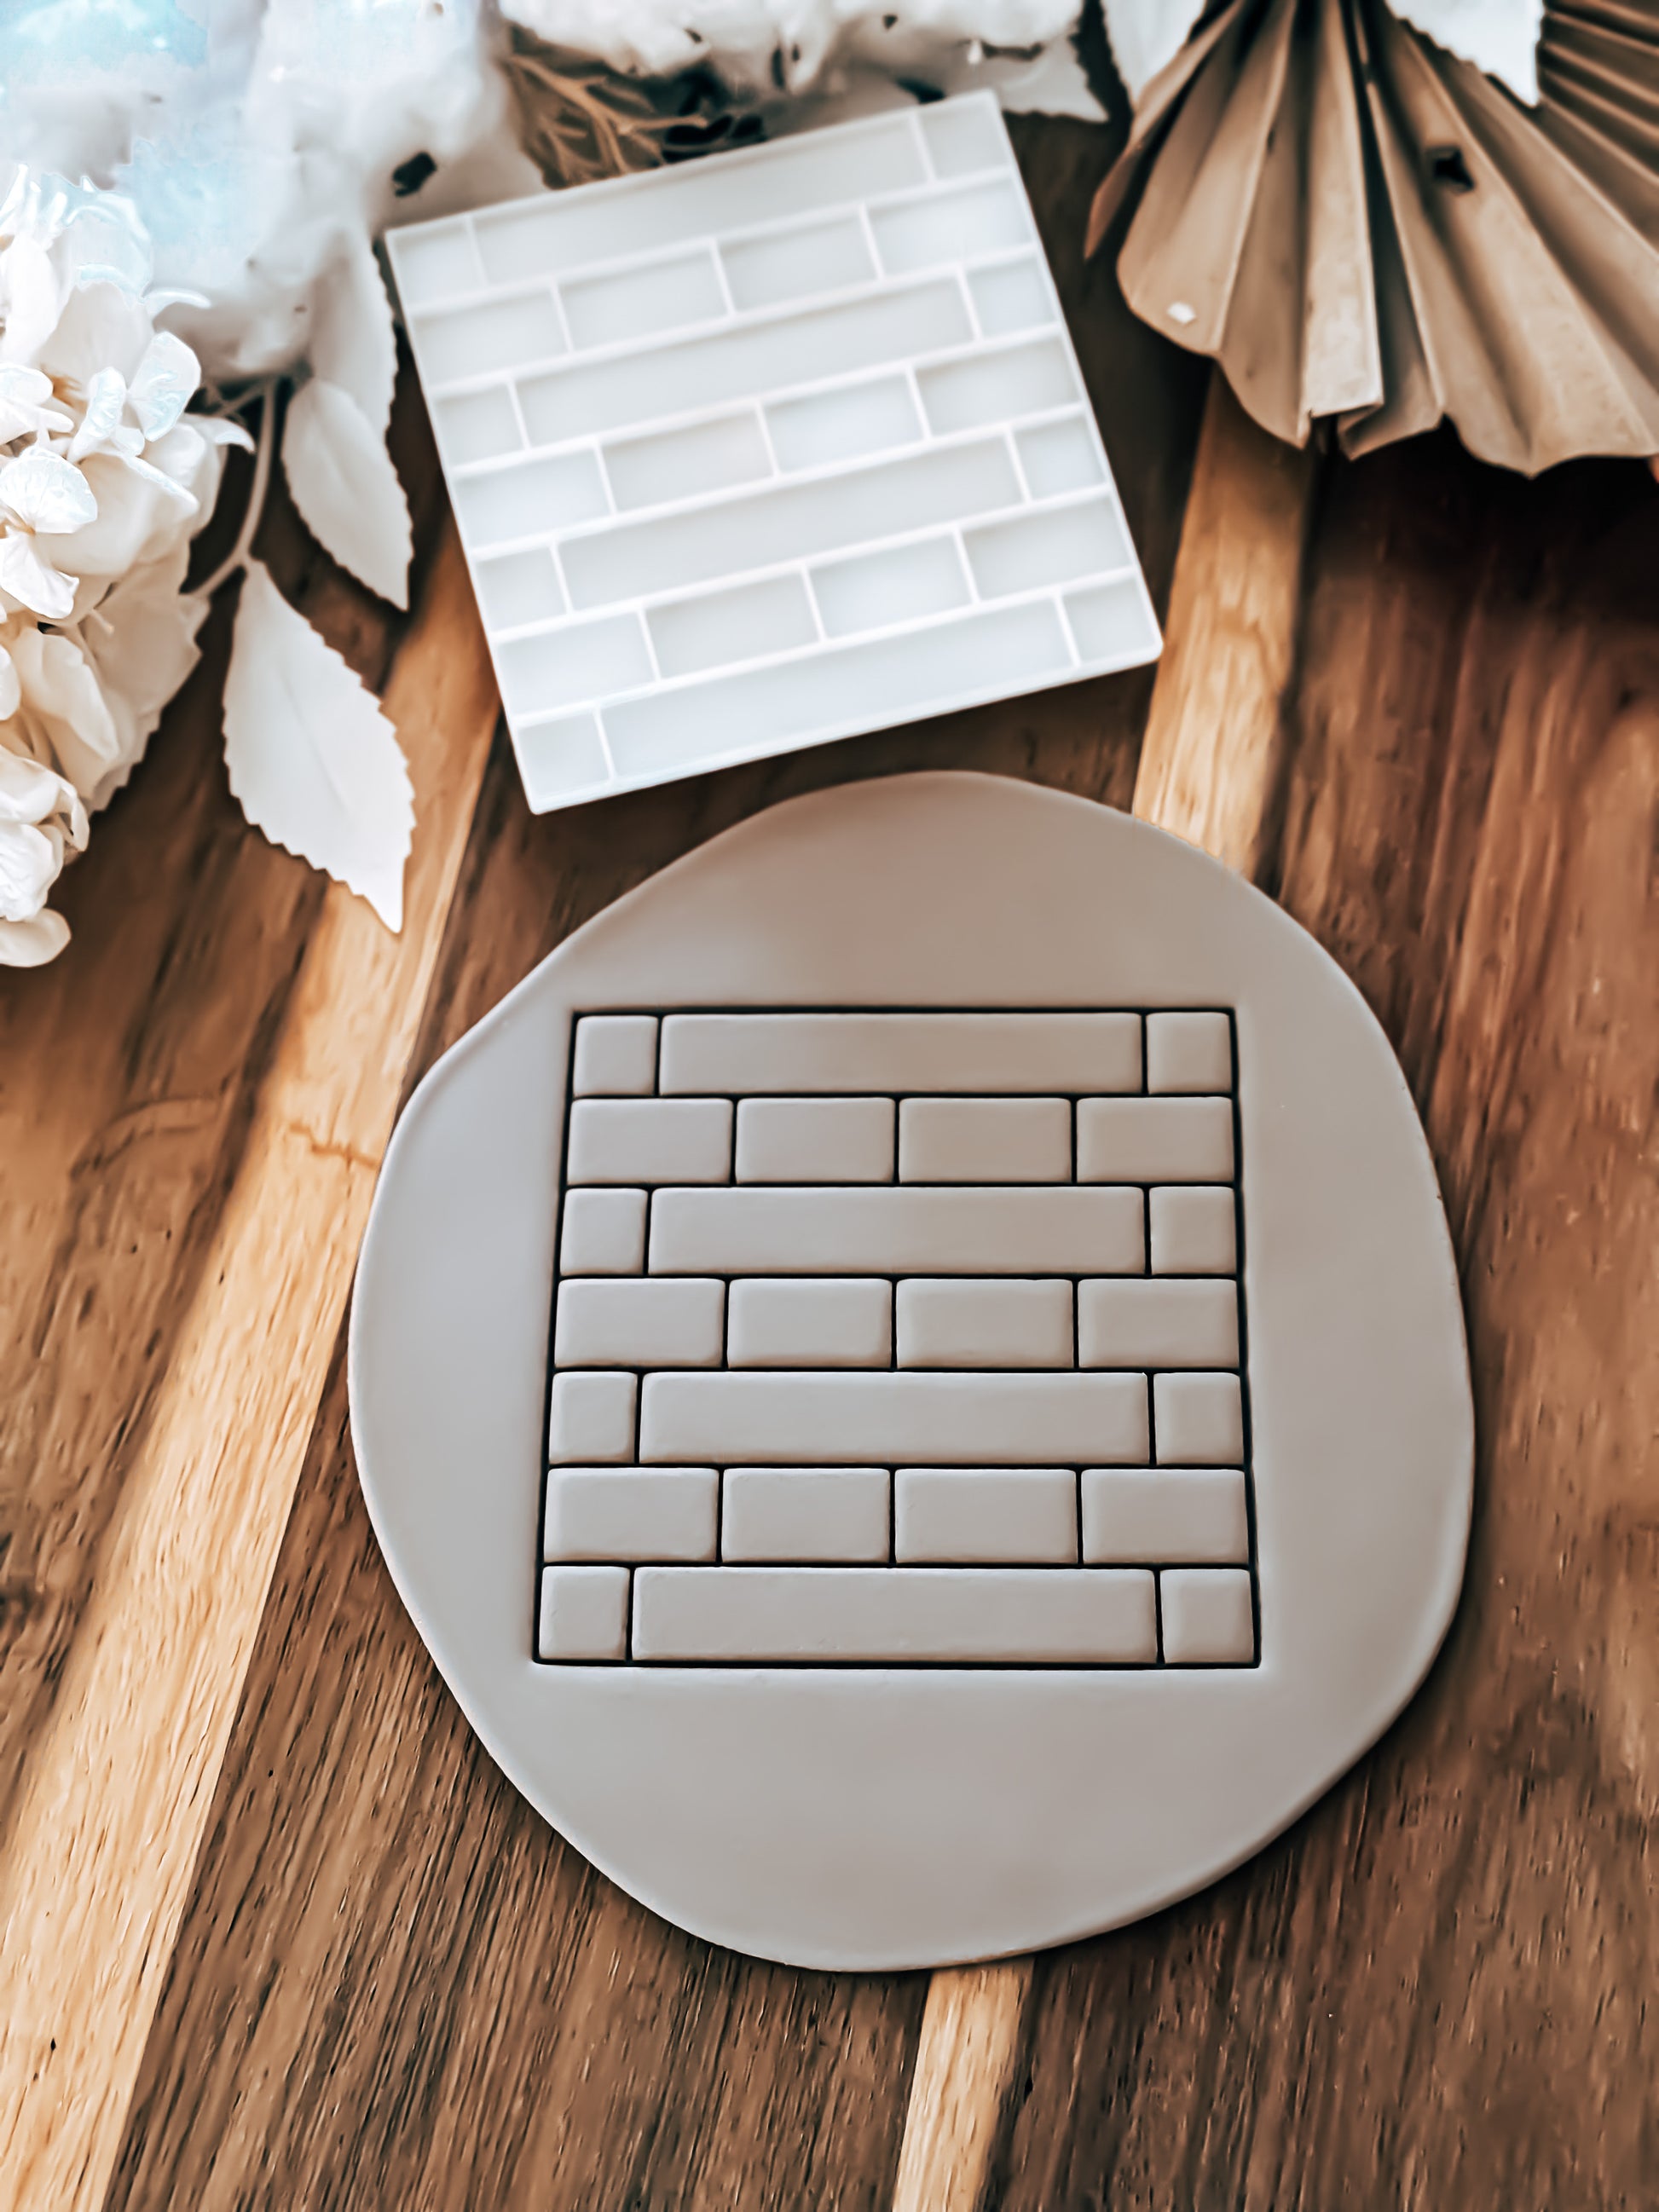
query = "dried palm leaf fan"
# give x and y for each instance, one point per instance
(1359, 227)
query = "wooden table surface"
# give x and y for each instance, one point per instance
(275, 1932)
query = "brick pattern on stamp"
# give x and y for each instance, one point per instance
(899, 1339)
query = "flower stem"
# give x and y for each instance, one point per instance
(236, 560)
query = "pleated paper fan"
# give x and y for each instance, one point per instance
(1362, 228)
(1598, 69)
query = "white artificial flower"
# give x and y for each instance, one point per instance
(104, 479)
(26, 408)
(62, 719)
(41, 820)
(251, 193)
(41, 496)
(140, 643)
(761, 46)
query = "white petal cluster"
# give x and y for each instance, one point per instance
(104, 480)
(261, 142)
(754, 44)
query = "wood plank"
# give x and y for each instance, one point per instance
(973, 2034)
(1434, 1990)
(118, 1782)
(1211, 763)
(127, 1075)
(397, 1986)
(1210, 769)
(392, 1981)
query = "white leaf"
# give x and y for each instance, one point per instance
(352, 342)
(314, 762)
(346, 488)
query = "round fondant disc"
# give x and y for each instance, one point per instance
(851, 1811)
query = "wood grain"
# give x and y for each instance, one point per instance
(1209, 771)
(391, 1985)
(118, 1785)
(1434, 1990)
(500, 2027)
(971, 2040)
(1213, 756)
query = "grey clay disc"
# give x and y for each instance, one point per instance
(918, 1768)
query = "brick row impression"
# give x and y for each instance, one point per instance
(815, 1337)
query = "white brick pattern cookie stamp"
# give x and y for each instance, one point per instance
(780, 446)
(912, 1377)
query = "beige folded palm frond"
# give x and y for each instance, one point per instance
(1359, 227)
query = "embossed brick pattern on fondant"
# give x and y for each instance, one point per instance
(913, 1339)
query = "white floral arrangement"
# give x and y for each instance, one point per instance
(238, 159)
(103, 482)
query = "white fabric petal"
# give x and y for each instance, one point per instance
(29, 387)
(106, 400)
(48, 493)
(140, 643)
(30, 299)
(32, 582)
(64, 702)
(30, 864)
(11, 691)
(31, 792)
(135, 518)
(167, 376)
(31, 944)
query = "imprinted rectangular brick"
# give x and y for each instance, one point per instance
(603, 1233)
(1207, 1619)
(616, 1056)
(1026, 1517)
(1135, 1516)
(628, 1513)
(1151, 1322)
(782, 1321)
(1154, 1139)
(650, 1140)
(591, 1418)
(1009, 1615)
(1194, 1230)
(886, 1418)
(1001, 1322)
(1200, 1420)
(1025, 1052)
(813, 1140)
(898, 1230)
(639, 1321)
(826, 1514)
(583, 1613)
(1188, 1052)
(980, 1140)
